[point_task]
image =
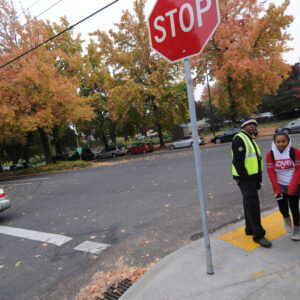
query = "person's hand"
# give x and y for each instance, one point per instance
(277, 196)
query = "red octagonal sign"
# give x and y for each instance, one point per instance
(181, 28)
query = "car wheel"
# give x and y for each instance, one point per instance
(144, 151)
(172, 147)
(218, 141)
(285, 130)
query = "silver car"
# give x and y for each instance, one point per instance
(112, 151)
(292, 127)
(4, 203)
(187, 141)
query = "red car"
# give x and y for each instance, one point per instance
(140, 148)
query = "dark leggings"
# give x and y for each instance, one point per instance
(293, 203)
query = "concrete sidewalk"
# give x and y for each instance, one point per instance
(256, 273)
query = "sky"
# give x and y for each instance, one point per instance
(76, 10)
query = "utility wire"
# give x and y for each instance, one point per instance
(48, 8)
(45, 11)
(27, 8)
(60, 33)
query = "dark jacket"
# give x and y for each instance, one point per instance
(239, 152)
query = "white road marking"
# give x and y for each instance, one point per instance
(32, 179)
(15, 184)
(91, 247)
(56, 239)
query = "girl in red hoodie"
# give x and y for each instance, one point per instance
(283, 165)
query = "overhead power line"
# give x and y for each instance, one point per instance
(27, 9)
(45, 10)
(60, 33)
(48, 8)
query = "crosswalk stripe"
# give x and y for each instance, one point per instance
(91, 247)
(56, 239)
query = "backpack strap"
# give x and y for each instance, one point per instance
(272, 155)
(292, 154)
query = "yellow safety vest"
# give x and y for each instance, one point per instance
(251, 158)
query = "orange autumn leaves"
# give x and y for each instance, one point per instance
(244, 56)
(34, 91)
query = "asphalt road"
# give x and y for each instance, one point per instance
(142, 208)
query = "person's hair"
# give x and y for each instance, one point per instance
(281, 133)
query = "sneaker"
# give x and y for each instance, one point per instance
(288, 224)
(264, 243)
(296, 234)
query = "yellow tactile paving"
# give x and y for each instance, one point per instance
(273, 224)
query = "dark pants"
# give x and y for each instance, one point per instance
(292, 202)
(251, 209)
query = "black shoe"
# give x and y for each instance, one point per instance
(264, 243)
(248, 231)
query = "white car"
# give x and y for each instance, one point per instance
(187, 141)
(4, 203)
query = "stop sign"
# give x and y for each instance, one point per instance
(181, 28)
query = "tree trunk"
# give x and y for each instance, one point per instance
(104, 140)
(144, 129)
(233, 108)
(57, 142)
(44, 140)
(160, 135)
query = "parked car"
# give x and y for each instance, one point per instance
(6, 169)
(140, 148)
(292, 127)
(4, 203)
(265, 116)
(187, 141)
(112, 151)
(87, 154)
(227, 136)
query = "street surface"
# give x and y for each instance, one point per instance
(64, 227)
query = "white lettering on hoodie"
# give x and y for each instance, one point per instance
(283, 165)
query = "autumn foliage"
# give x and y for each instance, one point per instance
(244, 56)
(36, 93)
(120, 86)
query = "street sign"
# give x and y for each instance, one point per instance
(79, 150)
(178, 30)
(181, 28)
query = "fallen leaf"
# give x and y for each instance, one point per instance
(23, 213)
(167, 205)
(18, 264)
(93, 237)
(1, 266)
(45, 244)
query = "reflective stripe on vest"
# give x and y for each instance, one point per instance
(251, 159)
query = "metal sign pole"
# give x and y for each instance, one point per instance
(198, 163)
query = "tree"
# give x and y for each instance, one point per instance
(285, 103)
(244, 54)
(94, 76)
(144, 90)
(36, 95)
